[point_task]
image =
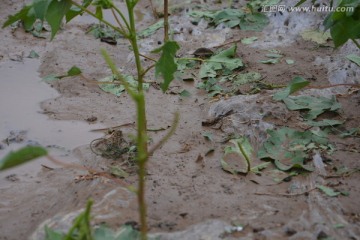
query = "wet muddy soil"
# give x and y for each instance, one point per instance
(189, 195)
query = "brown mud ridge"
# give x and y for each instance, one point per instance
(189, 196)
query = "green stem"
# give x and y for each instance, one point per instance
(101, 20)
(166, 21)
(142, 156)
(122, 17)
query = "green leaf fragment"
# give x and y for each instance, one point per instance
(351, 132)
(33, 54)
(166, 65)
(73, 71)
(208, 136)
(296, 84)
(328, 191)
(270, 61)
(249, 40)
(289, 61)
(185, 93)
(151, 29)
(21, 156)
(354, 58)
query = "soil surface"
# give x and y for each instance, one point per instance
(186, 184)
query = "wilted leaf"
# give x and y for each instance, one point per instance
(354, 58)
(113, 85)
(289, 148)
(118, 172)
(50, 78)
(166, 65)
(249, 40)
(237, 158)
(151, 29)
(315, 105)
(324, 123)
(21, 156)
(254, 22)
(289, 61)
(296, 84)
(328, 191)
(245, 78)
(185, 93)
(270, 61)
(316, 36)
(126, 232)
(260, 167)
(208, 136)
(351, 132)
(222, 61)
(33, 54)
(73, 71)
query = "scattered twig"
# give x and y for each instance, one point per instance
(227, 43)
(111, 128)
(285, 194)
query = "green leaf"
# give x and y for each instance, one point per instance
(21, 15)
(55, 14)
(328, 191)
(249, 40)
(21, 156)
(40, 8)
(289, 148)
(103, 4)
(33, 54)
(254, 22)
(73, 71)
(344, 25)
(221, 61)
(354, 58)
(151, 29)
(296, 84)
(72, 13)
(315, 105)
(237, 158)
(166, 65)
